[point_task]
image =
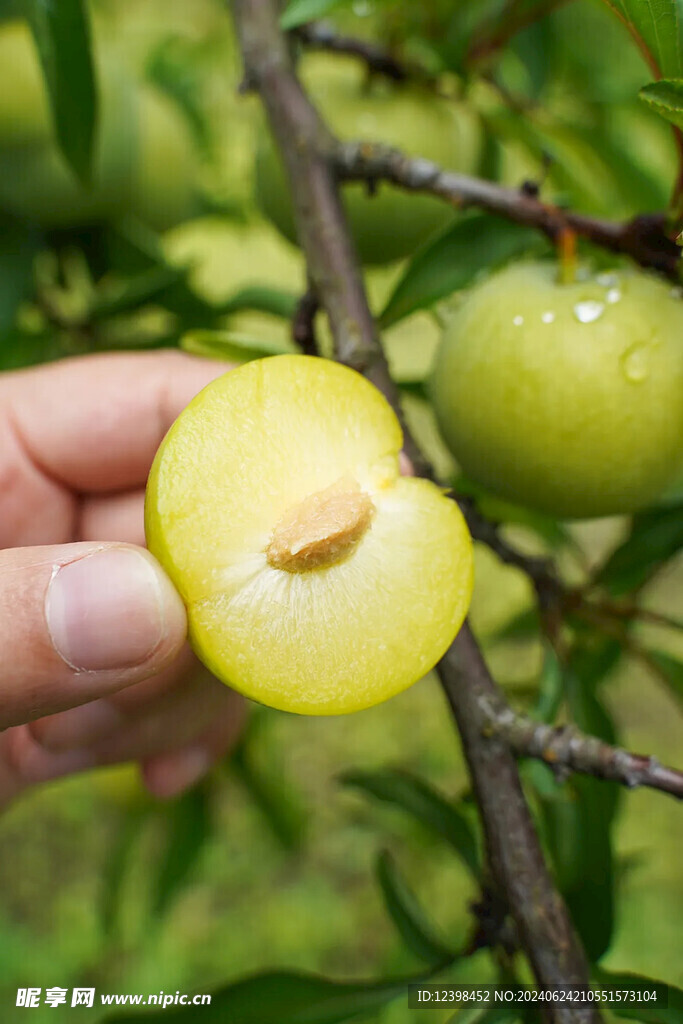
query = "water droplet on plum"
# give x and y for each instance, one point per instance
(548, 317)
(588, 310)
(518, 321)
(635, 363)
(613, 295)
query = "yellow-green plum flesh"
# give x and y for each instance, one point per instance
(363, 621)
(567, 398)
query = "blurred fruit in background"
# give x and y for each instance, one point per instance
(146, 161)
(391, 224)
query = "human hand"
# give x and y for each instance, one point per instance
(94, 666)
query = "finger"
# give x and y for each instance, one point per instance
(115, 517)
(79, 622)
(91, 424)
(180, 719)
(24, 762)
(205, 726)
(146, 726)
(88, 724)
(168, 775)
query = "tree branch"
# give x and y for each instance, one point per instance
(566, 749)
(514, 850)
(318, 35)
(643, 238)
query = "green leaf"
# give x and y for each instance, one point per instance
(19, 246)
(577, 816)
(150, 286)
(666, 98)
(550, 688)
(283, 997)
(549, 529)
(641, 1011)
(655, 25)
(533, 45)
(19, 349)
(426, 804)
(655, 537)
(176, 68)
(522, 626)
(62, 33)
(264, 780)
(415, 929)
(264, 300)
(188, 828)
(589, 663)
(230, 345)
(298, 12)
(117, 865)
(576, 822)
(474, 243)
(671, 670)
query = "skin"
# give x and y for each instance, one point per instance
(565, 397)
(76, 444)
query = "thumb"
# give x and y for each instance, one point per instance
(80, 621)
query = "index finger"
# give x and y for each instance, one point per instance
(93, 423)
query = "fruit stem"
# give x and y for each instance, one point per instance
(566, 248)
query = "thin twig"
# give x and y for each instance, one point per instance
(303, 323)
(514, 850)
(318, 35)
(541, 571)
(566, 749)
(643, 238)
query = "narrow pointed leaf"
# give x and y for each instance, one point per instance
(655, 537)
(474, 243)
(19, 246)
(117, 865)
(417, 932)
(550, 688)
(230, 345)
(62, 33)
(188, 829)
(426, 804)
(671, 670)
